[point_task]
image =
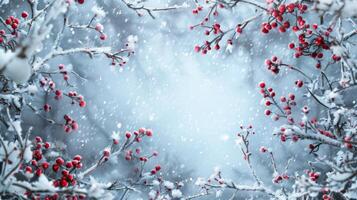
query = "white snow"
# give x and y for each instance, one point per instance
(28, 153)
(18, 70)
(169, 185)
(200, 181)
(338, 50)
(176, 193)
(97, 190)
(44, 184)
(346, 8)
(131, 42)
(98, 12)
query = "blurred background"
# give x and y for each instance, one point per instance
(194, 103)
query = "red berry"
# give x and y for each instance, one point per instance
(47, 145)
(142, 130)
(64, 183)
(217, 47)
(82, 103)
(34, 162)
(157, 167)
(65, 173)
(291, 45)
(115, 141)
(267, 112)
(38, 172)
(299, 83)
(58, 93)
(291, 97)
(55, 167)
(28, 169)
(282, 99)
(59, 161)
(67, 129)
(38, 139)
(197, 48)
(69, 165)
(45, 165)
(8, 21)
(77, 157)
(283, 137)
(47, 107)
(24, 14)
(103, 36)
(262, 84)
(74, 125)
(264, 30)
(106, 153)
(148, 132)
(127, 135)
(263, 149)
(155, 153)
(14, 26)
(267, 103)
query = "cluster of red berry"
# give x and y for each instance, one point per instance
(40, 165)
(138, 135)
(313, 175)
(70, 124)
(283, 109)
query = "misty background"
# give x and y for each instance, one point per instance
(194, 103)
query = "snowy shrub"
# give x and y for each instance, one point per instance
(319, 112)
(32, 168)
(321, 35)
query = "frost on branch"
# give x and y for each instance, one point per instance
(37, 169)
(32, 39)
(320, 108)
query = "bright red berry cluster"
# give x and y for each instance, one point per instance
(138, 136)
(40, 165)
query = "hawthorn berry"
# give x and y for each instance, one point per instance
(24, 14)
(59, 161)
(106, 153)
(267, 112)
(299, 83)
(127, 135)
(262, 84)
(82, 103)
